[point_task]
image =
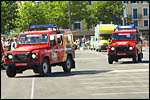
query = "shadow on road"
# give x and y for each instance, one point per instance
(63, 74)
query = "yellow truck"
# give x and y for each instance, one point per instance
(103, 33)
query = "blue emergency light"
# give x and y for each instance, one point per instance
(126, 27)
(42, 26)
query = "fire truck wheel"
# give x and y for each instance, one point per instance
(110, 61)
(100, 50)
(44, 68)
(135, 58)
(67, 65)
(11, 72)
(116, 60)
(35, 70)
(139, 58)
(97, 50)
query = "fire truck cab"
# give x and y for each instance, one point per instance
(126, 43)
(40, 50)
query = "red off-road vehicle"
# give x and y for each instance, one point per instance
(40, 50)
(126, 43)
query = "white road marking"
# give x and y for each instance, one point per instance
(116, 82)
(118, 87)
(121, 93)
(110, 78)
(146, 53)
(131, 70)
(32, 89)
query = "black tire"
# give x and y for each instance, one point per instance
(67, 65)
(116, 60)
(139, 58)
(97, 50)
(135, 58)
(100, 50)
(35, 70)
(10, 71)
(110, 61)
(44, 68)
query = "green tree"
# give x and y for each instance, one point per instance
(8, 15)
(49, 12)
(4, 12)
(30, 14)
(105, 11)
(57, 12)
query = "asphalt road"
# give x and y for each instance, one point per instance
(93, 78)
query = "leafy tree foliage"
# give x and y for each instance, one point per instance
(107, 12)
(57, 12)
(8, 15)
(29, 14)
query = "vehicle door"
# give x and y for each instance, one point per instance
(53, 49)
(60, 47)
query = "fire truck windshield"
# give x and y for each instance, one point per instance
(33, 39)
(123, 36)
(105, 36)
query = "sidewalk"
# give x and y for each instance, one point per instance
(145, 48)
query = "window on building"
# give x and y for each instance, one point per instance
(146, 2)
(134, 2)
(146, 23)
(135, 13)
(145, 11)
(136, 23)
(125, 2)
(77, 26)
(90, 3)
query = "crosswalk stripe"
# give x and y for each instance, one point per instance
(122, 93)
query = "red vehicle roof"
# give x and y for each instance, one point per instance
(126, 31)
(46, 31)
(37, 32)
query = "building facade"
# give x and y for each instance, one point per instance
(137, 13)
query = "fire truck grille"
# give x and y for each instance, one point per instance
(20, 58)
(121, 49)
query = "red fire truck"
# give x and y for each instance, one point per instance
(126, 43)
(40, 50)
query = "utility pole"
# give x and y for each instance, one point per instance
(70, 27)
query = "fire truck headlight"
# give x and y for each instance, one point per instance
(10, 56)
(112, 48)
(131, 48)
(33, 56)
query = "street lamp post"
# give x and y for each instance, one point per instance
(70, 17)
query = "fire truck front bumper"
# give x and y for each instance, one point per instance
(122, 55)
(28, 65)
